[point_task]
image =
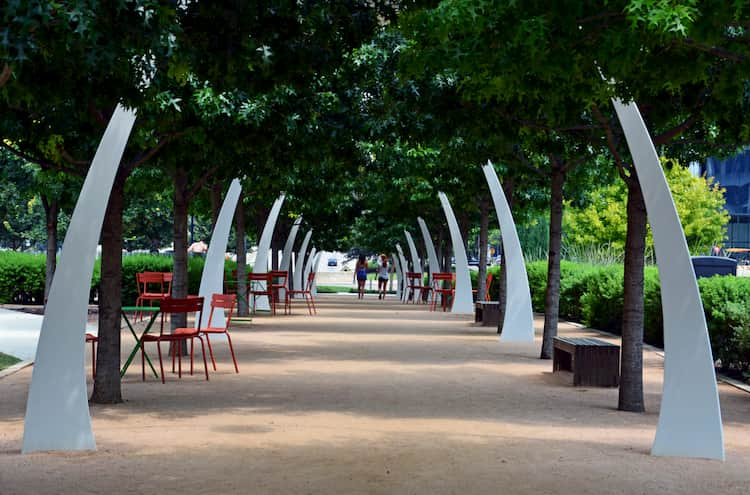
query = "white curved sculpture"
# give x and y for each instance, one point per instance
(57, 409)
(430, 247)
(518, 323)
(397, 264)
(690, 416)
(212, 278)
(462, 300)
(316, 267)
(416, 263)
(308, 266)
(299, 263)
(286, 258)
(404, 268)
(261, 260)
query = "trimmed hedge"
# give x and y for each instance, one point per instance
(22, 276)
(593, 295)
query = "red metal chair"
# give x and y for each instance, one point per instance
(306, 293)
(279, 279)
(442, 286)
(226, 302)
(90, 337)
(259, 284)
(414, 284)
(487, 284)
(152, 286)
(170, 306)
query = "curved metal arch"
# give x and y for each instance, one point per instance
(57, 409)
(518, 323)
(690, 416)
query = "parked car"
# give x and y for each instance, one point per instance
(742, 255)
(333, 262)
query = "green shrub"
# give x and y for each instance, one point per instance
(22, 278)
(726, 302)
(601, 303)
(573, 280)
(653, 321)
(536, 271)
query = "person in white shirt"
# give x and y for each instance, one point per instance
(382, 276)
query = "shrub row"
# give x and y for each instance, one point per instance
(593, 295)
(22, 276)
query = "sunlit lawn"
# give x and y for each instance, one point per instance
(6, 360)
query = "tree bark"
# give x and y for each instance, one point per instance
(552, 292)
(216, 203)
(51, 211)
(180, 233)
(5, 74)
(239, 219)
(440, 250)
(107, 388)
(484, 225)
(631, 366)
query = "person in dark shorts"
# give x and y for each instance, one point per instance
(360, 272)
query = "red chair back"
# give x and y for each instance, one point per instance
(171, 305)
(224, 301)
(310, 281)
(146, 279)
(279, 278)
(439, 278)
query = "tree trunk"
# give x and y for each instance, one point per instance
(484, 225)
(180, 232)
(51, 210)
(239, 219)
(440, 250)
(552, 293)
(631, 366)
(276, 246)
(107, 388)
(216, 203)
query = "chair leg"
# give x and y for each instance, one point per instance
(143, 361)
(231, 350)
(203, 352)
(179, 357)
(161, 363)
(173, 351)
(192, 345)
(312, 302)
(93, 360)
(211, 352)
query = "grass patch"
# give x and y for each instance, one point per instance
(7, 361)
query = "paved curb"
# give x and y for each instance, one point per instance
(735, 383)
(16, 367)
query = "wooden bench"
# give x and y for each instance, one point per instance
(487, 313)
(593, 362)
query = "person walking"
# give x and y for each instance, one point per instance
(360, 273)
(382, 276)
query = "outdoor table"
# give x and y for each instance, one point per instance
(154, 310)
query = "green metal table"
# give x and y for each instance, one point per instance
(154, 310)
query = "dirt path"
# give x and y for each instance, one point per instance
(372, 397)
